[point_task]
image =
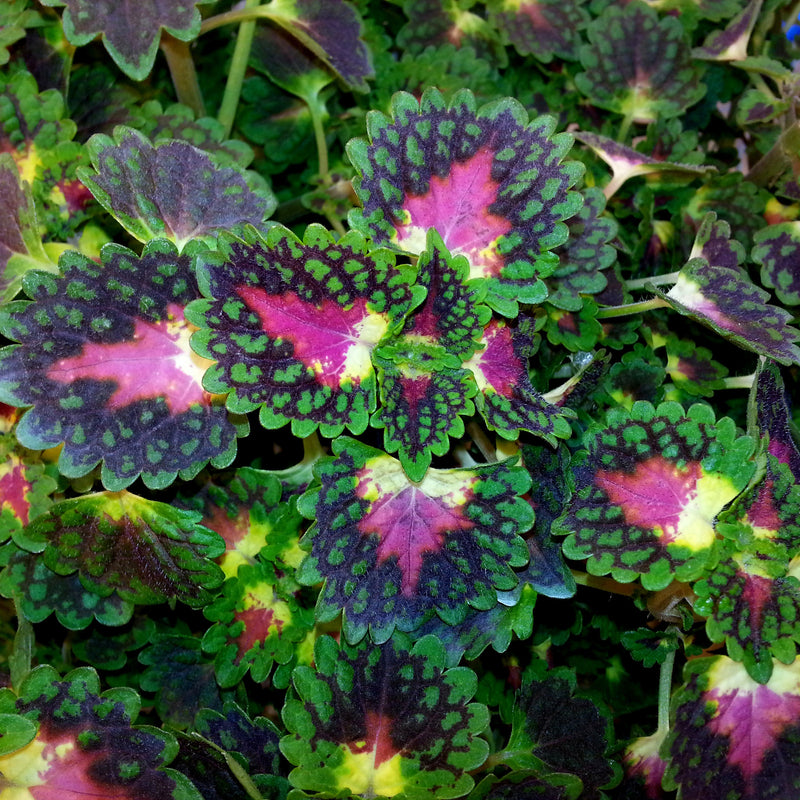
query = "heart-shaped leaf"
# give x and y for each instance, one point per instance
(491, 182)
(392, 551)
(105, 361)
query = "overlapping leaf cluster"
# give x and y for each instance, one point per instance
(503, 271)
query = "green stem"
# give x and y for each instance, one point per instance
(624, 127)
(248, 14)
(21, 658)
(233, 87)
(777, 159)
(183, 73)
(665, 690)
(319, 137)
(631, 308)
(739, 382)
(656, 280)
(481, 440)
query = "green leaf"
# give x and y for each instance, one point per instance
(720, 740)
(84, 340)
(87, 739)
(649, 646)
(331, 29)
(39, 592)
(20, 242)
(491, 182)
(293, 324)
(258, 621)
(393, 552)
(552, 731)
(145, 551)
(506, 399)
(730, 44)
(638, 64)
(777, 250)
(542, 28)
(383, 721)
(137, 183)
(624, 520)
(133, 50)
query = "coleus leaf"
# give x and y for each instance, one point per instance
(15, 18)
(453, 316)
(105, 361)
(384, 720)
(85, 744)
(506, 399)
(133, 49)
(178, 121)
(512, 616)
(36, 133)
(293, 325)
(624, 520)
(225, 740)
(752, 603)
(258, 622)
(638, 64)
(541, 28)
(20, 242)
(169, 189)
(392, 551)
(627, 163)
(692, 368)
(180, 677)
(144, 550)
(725, 300)
(552, 732)
(644, 766)
(433, 23)
(109, 651)
(422, 406)
(730, 44)
(777, 250)
(732, 736)
(26, 484)
(491, 182)
(331, 29)
(245, 508)
(769, 414)
(530, 785)
(40, 592)
(585, 254)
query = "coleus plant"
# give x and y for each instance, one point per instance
(394, 395)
